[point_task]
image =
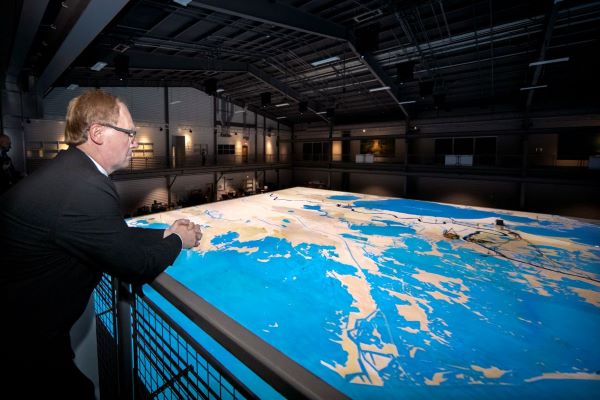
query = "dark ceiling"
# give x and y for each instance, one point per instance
(442, 54)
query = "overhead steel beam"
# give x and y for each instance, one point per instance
(29, 23)
(144, 60)
(379, 74)
(92, 21)
(274, 13)
(284, 16)
(544, 47)
(285, 90)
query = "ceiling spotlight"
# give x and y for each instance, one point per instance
(324, 61)
(220, 90)
(175, 102)
(321, 112)
(183, 2)
(377, 89)
(98, 66)
(533, 87)
(407, 102)
(368, 15)
(282, 104)
(544, 62)
(280, 117)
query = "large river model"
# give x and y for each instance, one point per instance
(393, 298)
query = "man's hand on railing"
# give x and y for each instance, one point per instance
(189, 233)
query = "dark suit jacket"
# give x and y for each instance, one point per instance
(60, 229)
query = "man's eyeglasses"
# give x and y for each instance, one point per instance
(130, 132)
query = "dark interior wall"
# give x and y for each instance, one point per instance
(336, 181)
(576, 201)
(542, 149)
(509, 149)
(302, 177)
(381, 185)
(492, 194)
(421, 150)
(567, 200)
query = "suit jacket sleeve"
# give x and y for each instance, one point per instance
(91, 228)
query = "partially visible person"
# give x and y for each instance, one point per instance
(8, 175)
(60, 230)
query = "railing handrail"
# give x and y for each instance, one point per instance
(281, 372)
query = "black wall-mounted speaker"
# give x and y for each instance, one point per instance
(439, 100)
(265, 99)
(121, 65)
(367, 38)
(405, 71)
(425, 88)
(210, 86)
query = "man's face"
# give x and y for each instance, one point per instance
(119, 145)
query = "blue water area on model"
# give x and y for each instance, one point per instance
(390, 228)
(354, 237)
(225, 238)
(478, 311)
(587, 234)
(268, 298)
(311, 207)
(424, 208)
(343, 197)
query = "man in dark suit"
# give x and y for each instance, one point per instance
(60, 229)
(8, 174)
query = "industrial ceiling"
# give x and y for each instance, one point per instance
(318, 60)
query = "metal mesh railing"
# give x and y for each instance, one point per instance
(167, 362)
(172, 365)
(106, 328)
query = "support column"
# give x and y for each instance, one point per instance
(215, 182)
(264, 139)
(215, 135)
(277, 144)
(330, 154)
(292, 155)
(167, 133)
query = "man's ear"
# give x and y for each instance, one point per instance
(96, 134)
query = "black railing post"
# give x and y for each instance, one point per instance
(124, 343)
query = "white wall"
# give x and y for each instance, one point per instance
(192, 110)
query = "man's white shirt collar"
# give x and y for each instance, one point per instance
(102, 170)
